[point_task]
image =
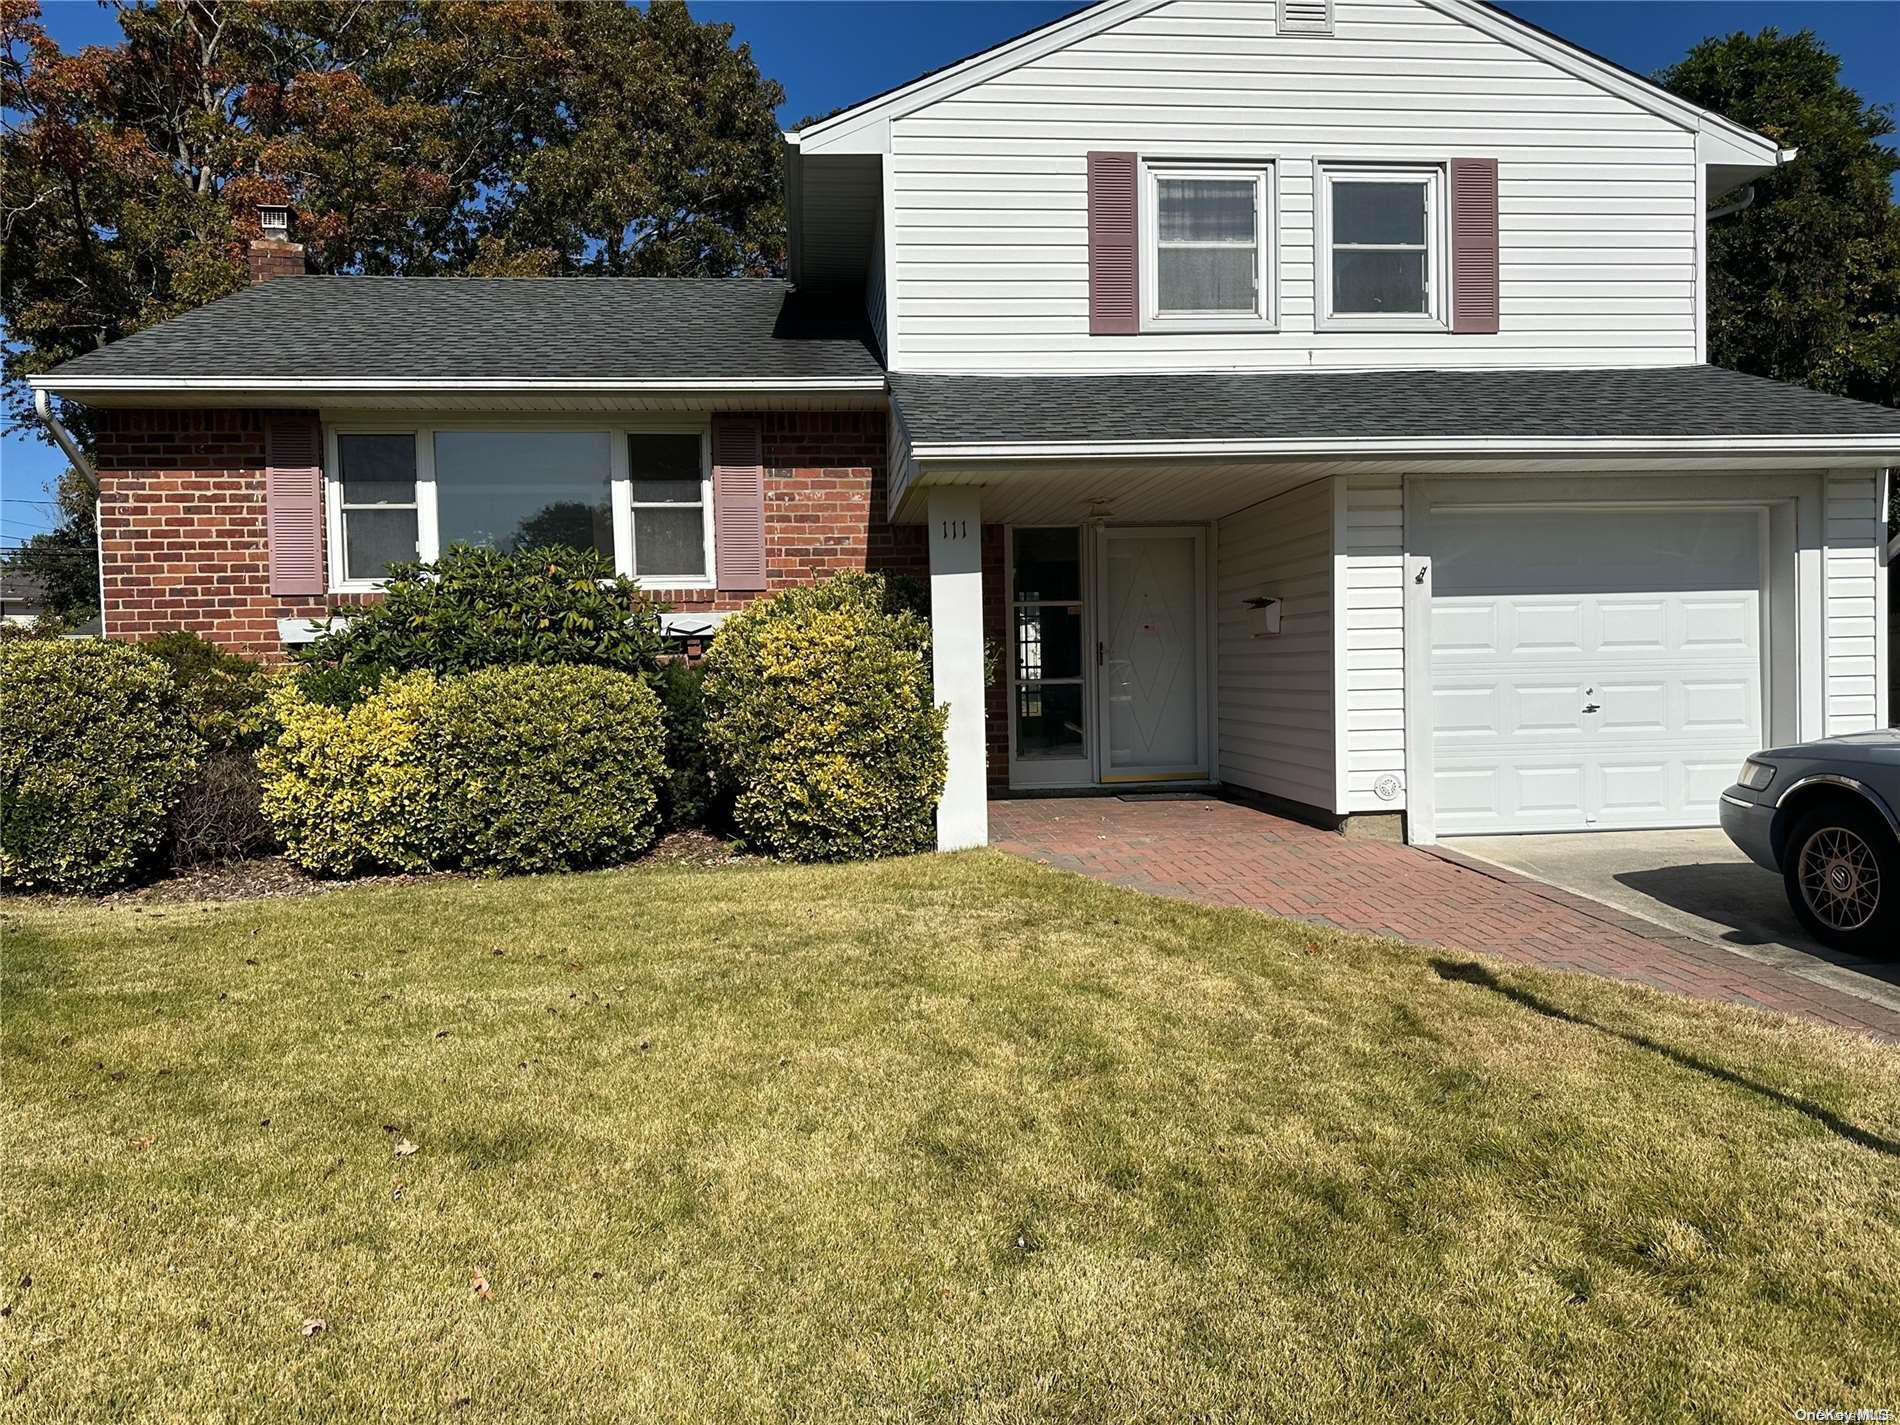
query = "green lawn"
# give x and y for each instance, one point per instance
(953, 1138)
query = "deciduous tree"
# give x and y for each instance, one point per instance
(408, 136)
(1804, 284)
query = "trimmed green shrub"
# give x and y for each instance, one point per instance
(224, 692)
(688, 799)
(505, 769)
(95, 748)
(477, 608)
(547, 769)
(822, 723)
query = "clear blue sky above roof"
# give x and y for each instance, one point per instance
(828, 53)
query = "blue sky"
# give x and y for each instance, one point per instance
(832, 52)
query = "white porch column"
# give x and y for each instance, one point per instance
(956, 627)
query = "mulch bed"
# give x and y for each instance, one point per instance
(273, 877)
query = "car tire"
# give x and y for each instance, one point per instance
(1841, 868)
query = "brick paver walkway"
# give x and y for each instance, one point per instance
(1222, 853)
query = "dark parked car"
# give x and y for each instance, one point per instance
(1824, 815)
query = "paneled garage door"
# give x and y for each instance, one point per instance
(1592, 669)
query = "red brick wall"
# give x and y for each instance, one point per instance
(183, 526)
(824, 507)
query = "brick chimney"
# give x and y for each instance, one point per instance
(274, 254)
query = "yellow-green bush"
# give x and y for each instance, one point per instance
(350, 790)
(95, 747)
(822, 724)
(506, 769)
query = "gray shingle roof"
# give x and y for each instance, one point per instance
(580, 328)
(1372, 405)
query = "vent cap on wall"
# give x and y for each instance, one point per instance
(1306, 17)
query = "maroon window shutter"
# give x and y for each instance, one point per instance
(293, 503)
(1474, 245)
(1113, 255)
(738, 503)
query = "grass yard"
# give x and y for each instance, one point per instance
(953, 1138)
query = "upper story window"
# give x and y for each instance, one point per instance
(1382, 247)
(642, 498)
(1207, 260)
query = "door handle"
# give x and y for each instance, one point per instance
(1098, 653)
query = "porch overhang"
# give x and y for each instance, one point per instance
(1109, 483)
(1199, 447)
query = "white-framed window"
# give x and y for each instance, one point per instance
(640, 495)
(670, 503)
(1207, 258)
(374, 519)
(1382, 246)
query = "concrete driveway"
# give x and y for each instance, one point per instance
(1695, 883)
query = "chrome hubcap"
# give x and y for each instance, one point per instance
(1840, 879)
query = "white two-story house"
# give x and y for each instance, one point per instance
(1309, 396)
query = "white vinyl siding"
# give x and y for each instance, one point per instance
(1852, 589)
(1598, 212)
(1274, 696)
(1369, 577)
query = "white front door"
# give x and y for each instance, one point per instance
(1592, 669)
(1151, 654)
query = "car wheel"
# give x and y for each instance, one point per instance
(1842, 871)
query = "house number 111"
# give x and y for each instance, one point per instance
(956, 529)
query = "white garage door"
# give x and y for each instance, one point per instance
(1592, 670)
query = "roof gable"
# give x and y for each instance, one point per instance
(864, 128)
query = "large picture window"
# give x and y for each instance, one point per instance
(640, 497)
(1207, 260)
(1382, 257)
(513, 490)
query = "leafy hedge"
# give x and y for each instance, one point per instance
(218, 817)
(506, 769)
(822, 723)
(477, 608)
(224, 692)
(689, 799)
(96, 746)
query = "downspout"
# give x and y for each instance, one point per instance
(43, 407)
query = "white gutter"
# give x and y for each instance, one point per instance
(1728, 210)
(1883, 446)
(43, 408)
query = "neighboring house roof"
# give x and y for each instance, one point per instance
(1414, 408)
(20, 590)
(1057, 34)
(544, 331)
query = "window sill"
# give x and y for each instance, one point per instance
(1196, 326)
(661, 584)
(1381, 324)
